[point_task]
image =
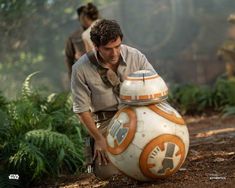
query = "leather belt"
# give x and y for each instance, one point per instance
(103, 115)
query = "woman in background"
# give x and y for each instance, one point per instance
(89, 15)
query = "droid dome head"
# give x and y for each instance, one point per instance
(142, 88)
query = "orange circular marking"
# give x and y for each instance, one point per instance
(131, 125)
(171, 117)
(159, 142)
(141, 78)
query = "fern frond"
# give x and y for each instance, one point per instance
(49, 139)
(69, 101)
(51, 97)
(59, 101)
(224, 92)
(28, 159)
(26, 89)
(24, 116)
(58, 148)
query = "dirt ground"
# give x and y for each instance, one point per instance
(210, 161)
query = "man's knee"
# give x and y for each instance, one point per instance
(105, 171)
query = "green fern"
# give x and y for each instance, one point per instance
(189, 98)
(26, 88)
(224, 93)
(59, 101)
(49, 139)
(39, 136)
(25, 116)
(28, 160)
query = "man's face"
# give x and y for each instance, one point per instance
(110, 53)
(231, 32)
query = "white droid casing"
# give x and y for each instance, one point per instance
(147, 142)
(143, 87)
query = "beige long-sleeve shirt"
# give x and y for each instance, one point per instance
(88, 90)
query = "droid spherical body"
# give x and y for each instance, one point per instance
(147, 142)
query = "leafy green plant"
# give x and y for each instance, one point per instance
(193, 99)
(224, 93)
(40, 137)
(190, 98)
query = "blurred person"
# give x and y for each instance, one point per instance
(227, 51)
(75, 46)
(88, 17)
(95, 81)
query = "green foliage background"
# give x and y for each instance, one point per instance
(40, 137)
(195, 99)
(33, 35)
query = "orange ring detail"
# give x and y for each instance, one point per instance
(124, 97)
(132, 125)
(144, 97)
(170, 117)
(141, 79)
(159, 141)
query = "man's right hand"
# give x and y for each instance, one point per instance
(100, 142)
(100, 154)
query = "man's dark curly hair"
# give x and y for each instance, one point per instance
(105, 31)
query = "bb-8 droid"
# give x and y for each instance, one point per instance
(147, 139)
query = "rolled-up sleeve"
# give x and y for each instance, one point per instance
(81, 93)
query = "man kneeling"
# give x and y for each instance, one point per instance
(95, 81)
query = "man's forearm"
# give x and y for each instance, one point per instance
(89, 123)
